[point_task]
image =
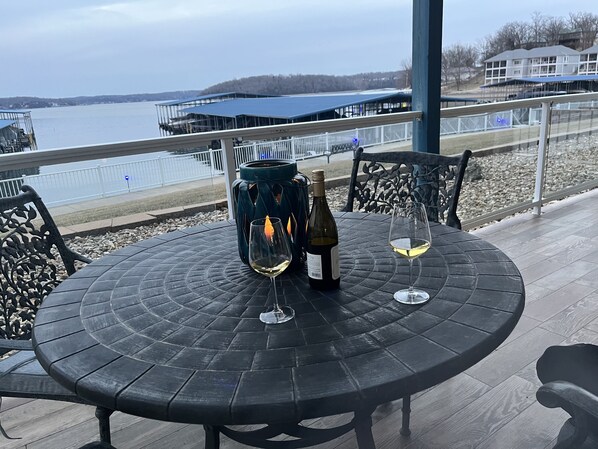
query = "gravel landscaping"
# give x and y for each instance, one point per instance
(504, 179)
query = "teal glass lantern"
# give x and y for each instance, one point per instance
(275, 188)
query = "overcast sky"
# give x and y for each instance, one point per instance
(66, 48)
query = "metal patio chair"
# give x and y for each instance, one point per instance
(568, 375)
(31, 252)
(386, 178)
(380, 180)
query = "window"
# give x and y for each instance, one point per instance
(516, 61)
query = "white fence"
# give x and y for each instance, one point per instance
(106, 180)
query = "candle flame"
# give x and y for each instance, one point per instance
(268, 229)
(289, 229)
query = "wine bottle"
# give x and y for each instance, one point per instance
(322, 240)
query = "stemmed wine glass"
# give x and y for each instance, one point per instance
(270, 254)
(410, 237)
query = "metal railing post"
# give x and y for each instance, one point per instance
(255, 155)
(211, 154)
(101, 181)
(161, 167)
(542, 152)
(230, 173)
(293, 155)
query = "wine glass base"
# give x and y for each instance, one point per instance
(276, 317)
(412, 297)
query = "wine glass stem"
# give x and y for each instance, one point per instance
(276, 307)
(410, 277)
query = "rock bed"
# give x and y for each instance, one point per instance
(506, 179)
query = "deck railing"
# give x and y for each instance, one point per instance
(529, 119)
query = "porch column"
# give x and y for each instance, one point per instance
(426, 67)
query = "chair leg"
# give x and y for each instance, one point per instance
(103, 415)
(363, 430)
(406, 409)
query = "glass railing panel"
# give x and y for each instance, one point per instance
(170, 183)
(501, 172)
(572, 158)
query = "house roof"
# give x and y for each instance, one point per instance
(521, 53)
(592, 49)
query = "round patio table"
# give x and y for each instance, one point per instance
(168, 329)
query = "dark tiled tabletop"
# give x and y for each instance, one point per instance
(168, 328)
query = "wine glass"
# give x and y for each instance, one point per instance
(410, 237)
(270, 254)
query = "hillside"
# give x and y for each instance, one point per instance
(303, 84)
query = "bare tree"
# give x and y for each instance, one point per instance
(407, 67)
(510, 36)
(587, 23)
(457, 61)
(536, 27)
(552, 30)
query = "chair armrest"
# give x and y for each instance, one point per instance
(81, 257)
(561, 394)
(15, 345)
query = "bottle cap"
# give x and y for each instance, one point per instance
(317, 176)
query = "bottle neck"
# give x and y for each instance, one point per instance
(319, 190)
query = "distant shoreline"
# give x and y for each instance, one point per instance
(37, 102)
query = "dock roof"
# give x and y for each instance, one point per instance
(291, 107)
(6, 123)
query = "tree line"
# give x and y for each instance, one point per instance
(458, 60)
(303, 84)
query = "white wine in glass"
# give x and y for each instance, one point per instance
(270, 254)
(410, 237)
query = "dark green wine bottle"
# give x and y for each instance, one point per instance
(322, 240)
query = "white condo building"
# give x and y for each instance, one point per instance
(588, 61)
(557, 60)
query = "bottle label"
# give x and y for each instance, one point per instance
(314, 266)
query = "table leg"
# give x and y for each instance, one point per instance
(363, 430)
(103, 416)
(212, 437)
(406, 409)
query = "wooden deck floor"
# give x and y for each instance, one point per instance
(490, 406)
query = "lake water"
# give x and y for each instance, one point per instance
(75, 126)
(71, 126)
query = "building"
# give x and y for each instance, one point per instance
(588, 61)
(556, 60)
(16, 131)
(169, 112)
(234, 111)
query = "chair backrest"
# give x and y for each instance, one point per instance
(31, 249)
(390, 177)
